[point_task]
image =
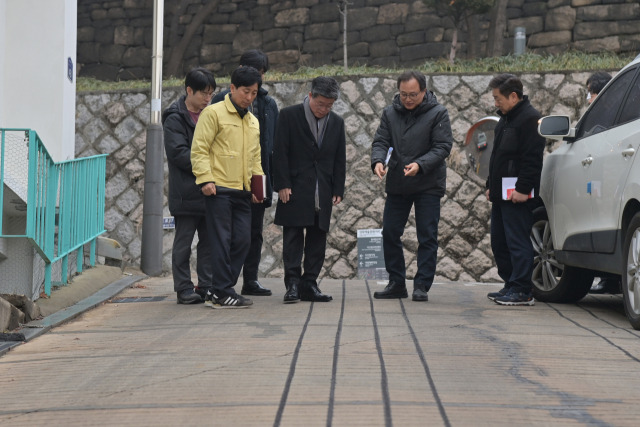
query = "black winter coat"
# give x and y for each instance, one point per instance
(298, 163)
(422, 135)
(267, 114)
(517, 151)
(185, 197)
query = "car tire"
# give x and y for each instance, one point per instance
(553, 281)
(631, 272)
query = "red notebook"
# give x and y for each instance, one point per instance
(259, 186)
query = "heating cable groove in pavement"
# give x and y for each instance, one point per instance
(607, 340)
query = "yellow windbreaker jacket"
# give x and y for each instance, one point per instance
(226, 148)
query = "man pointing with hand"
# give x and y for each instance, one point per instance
(416, 131)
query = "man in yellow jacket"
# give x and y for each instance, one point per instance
(224, 155)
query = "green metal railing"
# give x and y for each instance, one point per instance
(64, 206)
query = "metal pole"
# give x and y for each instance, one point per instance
(342, 7)
(344, 41)
(151, 251)
(519, 41)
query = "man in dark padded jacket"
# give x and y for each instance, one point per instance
(418, 130)
(186, 201)
(517, 153)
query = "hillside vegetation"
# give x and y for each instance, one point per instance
(570, 61)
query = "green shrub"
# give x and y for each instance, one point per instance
(569, 61)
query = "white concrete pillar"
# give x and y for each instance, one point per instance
(37, 44)
(3, 19)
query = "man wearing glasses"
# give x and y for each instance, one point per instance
(186, 202)
(409, 148)
(309, 168)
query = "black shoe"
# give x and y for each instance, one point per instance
(309, 291)
(292, 294)
(188, 296)
(493, 295)
(201, 291)
(231, 301)
(419, 293)
(516, 298)
(253, 287)
(392, 290)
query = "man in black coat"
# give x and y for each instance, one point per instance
(409, 148)
(517, 153)
(309, 167)
(186, 201)
(266, 110)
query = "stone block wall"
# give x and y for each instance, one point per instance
(115, 36)
(115, 123)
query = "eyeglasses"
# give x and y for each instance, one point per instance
(207, 94)
(412, 95)
(322, 106)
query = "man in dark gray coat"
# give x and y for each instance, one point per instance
(309, 161)
(186, 201)
(410, 147)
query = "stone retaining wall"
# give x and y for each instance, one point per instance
(115, 123)
(115, 36)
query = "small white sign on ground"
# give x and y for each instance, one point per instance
(370, 255)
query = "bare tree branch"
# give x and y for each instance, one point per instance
(177, 53)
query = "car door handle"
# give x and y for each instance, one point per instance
(628, 152)
(587, 161)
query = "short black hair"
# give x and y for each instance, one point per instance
(598, 81)
(507, 83)
(408, 75)
(325, 86)
(246, 76)
(255, 58)
(199, 79)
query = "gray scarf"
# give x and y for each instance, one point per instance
(318, 127)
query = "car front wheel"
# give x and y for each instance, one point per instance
(553, 281)
(631, 280)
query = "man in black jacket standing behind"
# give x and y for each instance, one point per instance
(517, 153)
(309, 170)
(410, 147)
(186, 201)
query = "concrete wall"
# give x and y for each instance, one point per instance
(115, 36)
(115, 123)
(38, 38)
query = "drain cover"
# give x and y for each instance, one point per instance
(138, 299)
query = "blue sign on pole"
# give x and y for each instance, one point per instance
(168, 223)
(70, 69)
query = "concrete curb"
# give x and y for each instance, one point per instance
(38, 327)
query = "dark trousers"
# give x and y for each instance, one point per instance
(229, 225)
(252, 262)
(294, 244)
(396, 213)
(511, 244)
(186, 227)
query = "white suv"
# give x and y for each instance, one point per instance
(590, 222)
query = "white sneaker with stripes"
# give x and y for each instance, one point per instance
(235, 301)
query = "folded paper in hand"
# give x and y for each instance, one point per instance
(509, 186)
(259, 186)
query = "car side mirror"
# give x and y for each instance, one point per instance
(556, 127)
